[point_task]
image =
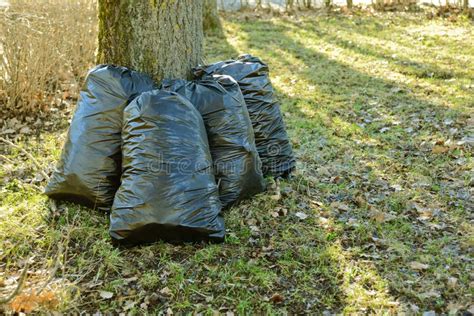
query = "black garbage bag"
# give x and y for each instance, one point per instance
(168, 190)
(88, 172)
(236, 162)
(271, 138)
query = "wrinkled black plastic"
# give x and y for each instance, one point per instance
(88, 172)
(271, 138)
(168, 190)
(236, 163)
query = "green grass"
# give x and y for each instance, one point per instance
(365, 98)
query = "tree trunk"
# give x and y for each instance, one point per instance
(379, 5)
(349, 4)
(465, 5)
(289, 5)
(162, 38)
(210, 17)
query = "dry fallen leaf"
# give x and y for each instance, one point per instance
(48, 297)
(25, 303)
(28, 302)
(131, 279)
(279, 211)
(352, 222)
(381, 217)
(25, 130)
(317, 203)
(396, 187)
(301, 215)
(252, 222)
(415, 265)
(323, 220)
(452, 283)
(166, 291)
(360, 201)
(277, 298)
(129, 305)
(425, 214)
(414, 308)
(453, 308)
(275, 197)
(8, 131)
(438, 149)
(340, 206)
(106, 295)
(430, 294)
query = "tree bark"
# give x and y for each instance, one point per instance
(210, 16)
(379, 5)
(349, 4)
(162, 38)
(289, 5)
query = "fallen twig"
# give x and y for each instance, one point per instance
(33, 159)
(6, 159)
(56, 266)
(18, 287)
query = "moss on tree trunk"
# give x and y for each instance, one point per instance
(162, 38)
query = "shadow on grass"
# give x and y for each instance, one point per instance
(373, 46)
(334, 119)
(272, 263)
(351, 90)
